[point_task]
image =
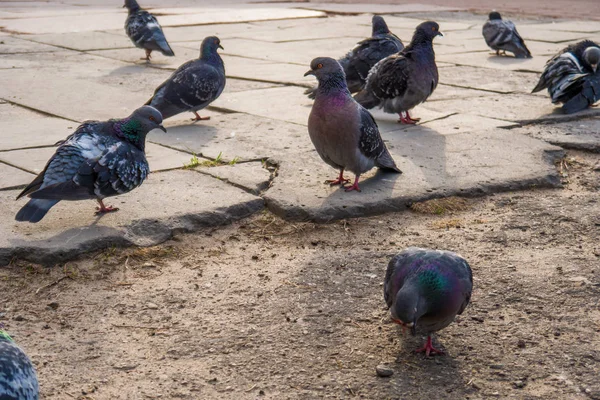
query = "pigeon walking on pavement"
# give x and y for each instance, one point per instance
(501, 34)
(358, 62)
(572, 76)
(99, 160)
(344, 134)
(144, 31)
(194, 85)
(425, 290)
(403, 80)
(18, 379)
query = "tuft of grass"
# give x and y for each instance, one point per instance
(441, 206)
(447, 223)
(194, 162)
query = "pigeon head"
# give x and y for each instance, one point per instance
(329, 73)
(135, 127)
(426, 31)
(379, 26)
(409, 306)
(592, 56)
(131, 5)
(494, 15)
(209, 46)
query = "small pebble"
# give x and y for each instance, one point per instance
(384, 371)
(519, 384)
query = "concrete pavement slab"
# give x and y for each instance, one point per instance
(243, 136)
(579, 135)
(433, 165)
(83, 41)
(374, 8)
(168, 203)
(568, 26)
(446, 92)
(11, 45)
(11, 178)
(462, 123)
(494, 80)
(488, 60)
(254, 177)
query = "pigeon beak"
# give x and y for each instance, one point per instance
(221, 47)
(162, 128)
(413, 328)
(440, 34)
(310, 72)
(594, 67)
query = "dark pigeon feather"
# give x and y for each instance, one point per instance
(572, 77)
(99, 160)
(344, 134)
(18, 380)
(194, 85)
(501, 34)
(358, 62)
(401, 81)
(144, 30)
(425, 289)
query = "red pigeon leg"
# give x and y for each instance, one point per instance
(339, 181)
(147, 58)
(354, 186)
(406, 119)
(428, 348)
(104, 209)
(199, 118)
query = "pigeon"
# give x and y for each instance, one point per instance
(18, 380)
(344, 134)
(194, 85)
(358, 62)
(144, 31)
(501, 34)
(425, 289)
(572, 77)
(401, 81)
(100, 159)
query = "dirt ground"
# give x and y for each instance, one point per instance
(266, 309)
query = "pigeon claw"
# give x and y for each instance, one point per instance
(429, 349)
(405, 118)
(339, 181)
(105, 209)
(199, 118)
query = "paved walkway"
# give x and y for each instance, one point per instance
(62, 63)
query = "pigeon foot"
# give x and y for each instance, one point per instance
(199, 118)
(428, 348)
(339, 181)
(147, 58)
(405, 118)
(354, 186)
(104, 209)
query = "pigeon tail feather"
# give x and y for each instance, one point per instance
(386, 163)
(366, 99)
(35, 210)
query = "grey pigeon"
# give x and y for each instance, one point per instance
(401, 81)
(100, 159)
(144, 31)
(501, 34)
(343, 132)
(18, 380)
(425, 289)
(358, 62)
(572, 76)
(194, 85)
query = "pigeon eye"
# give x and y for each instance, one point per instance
(433, 28)
(152, 118)
(319, 66)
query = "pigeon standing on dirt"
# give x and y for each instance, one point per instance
(344, 134)
(18, 380)
(194, 85)
(100, 159)
(425, 289)
(144, 31)
(572, 77)
(501, 34)
(358, 62)
(401, 81)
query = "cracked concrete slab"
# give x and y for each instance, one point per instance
(568, 26)
(578, 135)
(11, 177)
(434, 165)
(446, 92)
(494, 80)
(34, 160)
(84, 41)
(168, 203)
(254, 177)
(243, 136)
(11, 45)
(461, 123)
(519, 108)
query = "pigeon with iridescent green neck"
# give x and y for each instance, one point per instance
(18, 380)
(99, 160)
(425, 289)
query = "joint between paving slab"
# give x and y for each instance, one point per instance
(48, 114)
(17, 167)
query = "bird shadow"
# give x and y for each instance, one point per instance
(188, 136)
(506, 59)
